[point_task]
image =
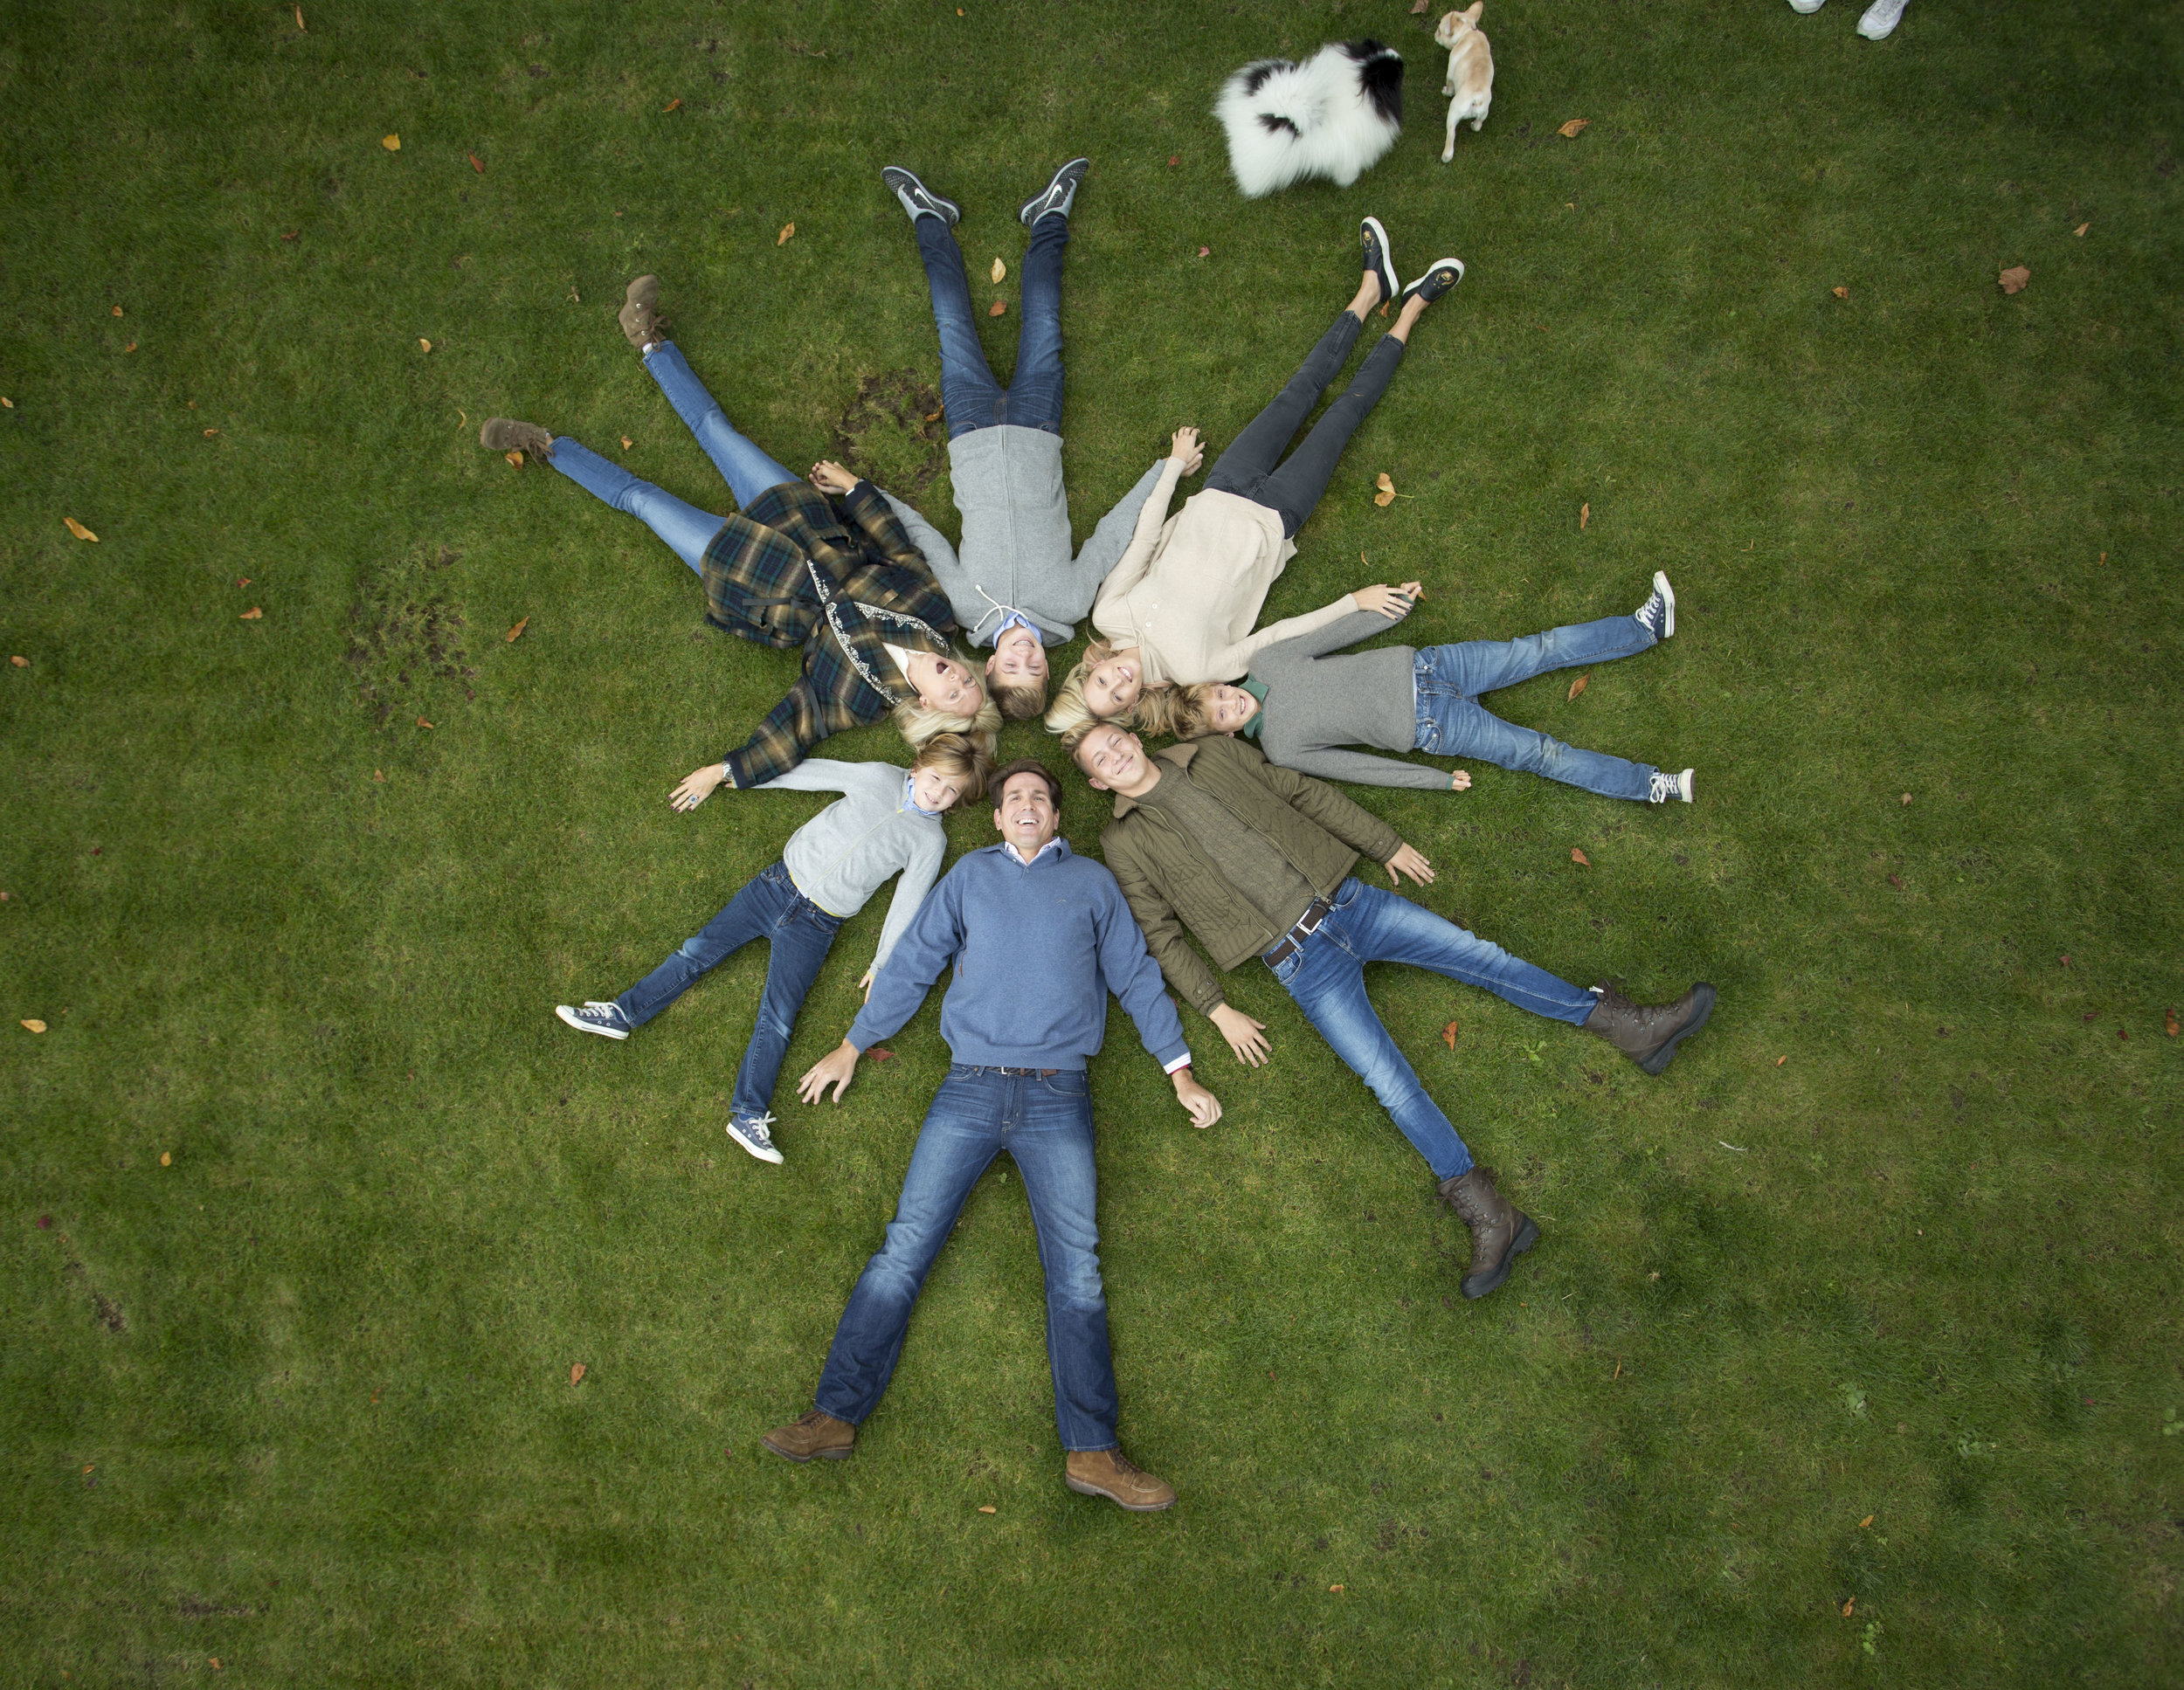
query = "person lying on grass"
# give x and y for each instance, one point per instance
(790, 570)
(1255, 861)
(1304, 705)
(889, 821)
(1036, 938)
(1014, 584)
(1179, 607)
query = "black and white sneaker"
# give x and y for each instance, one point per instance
(1660, 787)
(1057, 195)
(1378, 259)
(1441, 275)
(919, 200)
(750, 1131)
(1657, 615)
(605, 1020)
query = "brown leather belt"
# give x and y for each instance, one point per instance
(1292, 941)
(1021, 1074)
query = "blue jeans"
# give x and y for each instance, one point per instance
(1045, 1124)
(968, 392)
(769, 907)
(1453, 723)
(1326, 977)
(685, 528)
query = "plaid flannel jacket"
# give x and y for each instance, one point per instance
(787, 571)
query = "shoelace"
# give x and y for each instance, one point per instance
(755, 1130)
(1660, 788)
(1651, 614)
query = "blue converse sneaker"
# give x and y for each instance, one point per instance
(1058, 196)
(1657, 615)
(750, 1131)
(919, 200)
(1380, 260)
(605, 1020)
(1660, 787)
(1440, 275)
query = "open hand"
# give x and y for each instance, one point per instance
(697, 786)
(1245, 1036)
(830, 477)
(1393, 602)
(1187, 450)
(836, 1068)
(1408, 860)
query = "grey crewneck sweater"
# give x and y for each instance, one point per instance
(1016, 543)
(845, 854)
(1317, 704)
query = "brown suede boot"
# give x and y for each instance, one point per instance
(1105, 1472)
(506, 434)
(1648, 1033)
(814, 1437)
(1500, 1231)
(639, 314)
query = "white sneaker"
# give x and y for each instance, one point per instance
(1657, 615)
(605, 1020)
(1880, 17)
(750, 1131)
(1660, 788)
(1807, 6)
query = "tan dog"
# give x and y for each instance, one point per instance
(1470, 73)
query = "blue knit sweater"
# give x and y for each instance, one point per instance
(1036, 950)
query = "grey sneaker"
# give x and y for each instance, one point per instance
(919, 200)
(750, 1131)
(605, 1020)
(1880, 18)
(1661, 787)
(1657, 615)
(1056, 197)
(1440, 275)
(1378, 259)
(506, 434)
(639, 316)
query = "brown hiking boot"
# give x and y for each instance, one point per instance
(506, 434)
(814, 1437)
(1648, 1033)
(638, 315)
(1500, 1232)
(1105, 1472)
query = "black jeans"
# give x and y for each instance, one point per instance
(1247, 468)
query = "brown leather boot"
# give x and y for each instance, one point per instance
(507, 434)
(814, 1437)
(1500, 1232)
(1648, 1033)
(639, 315)
(1105, 1472)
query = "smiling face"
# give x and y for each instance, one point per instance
(1026, 816)
(935, 789)
(1018, 657)
(946, 686)
(1112, 688)
(1112, 760)
(1228, 708)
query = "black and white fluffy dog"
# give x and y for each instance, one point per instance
(1333, 116)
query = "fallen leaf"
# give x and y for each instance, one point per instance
(1584, 515)
(252, 614)
(1578, 686)
(293, 234)
(985, 1508)
(1779, 1061)
(1848, 1603)
(421, 722)
(1579, 858)
(6, 404)
(1448, 1035)
(166, 1158)
(1570, 128)
(2121, 1034)
(2014, 278)
(117, 310)
(2066, 959)
(1619, 1371)
(788, 230)
(300, 19)
(1205, 251)
(933, 416)
(35, 1025)
(881, 1053)
(1334, 1590)
(672, 106)
(424, 343)
(518, 629)
(1907, 800)
(1174, 158)
(576, 1372)
(131, 347)
(997, 308)
(1387, 484)
(515, 459)
(20, 662)
(1418, 8)
(999, 271)
(2081, 228)
(1841, 293)
(392, 144)
(1897, 884)
(77, 529)
(2171, 1029)
(627, 443)
(2090, 1014)
(241, 582)
(209, 432)
(379, 775)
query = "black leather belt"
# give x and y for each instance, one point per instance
(1293, 941)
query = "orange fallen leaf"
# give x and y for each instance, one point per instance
(1448, 1035)
(2081, 228)
(1334, 1590)
(426, 344)
(1848, 1603)
(167, 1160)
(1842, 292)
(421, 722)
(1174, 158)
(933, 416)
(20, 662)
(997, 308)
(999, 271)
(241, 582)
(1578, 686)
(627, 443)
(1619, 1371)
(2171, 1029)
(672, 106)
(131, 347)
(1579, 858)
(251, 615)
(985, 1508)
(379, 775)
(117, 310)
(576, 1372)
(477, 164)
(300, 19)
(6, 404)
(1779, 1061)
(515, 459)
(35, 1025)
(1584, 515)
(77, 529)
(1386, 484)
(209, 432)
(1570, 128)
(881, 1053)
(293, 235)
(1863, 1523)
(2013, 280)
(392, 144)
(788, 230)
(518, 629)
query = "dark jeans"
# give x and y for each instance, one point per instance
(769, 907)
(1045, 1124)
(972, 398)
(1248, 466)
(1453, 723)
(1326, 977)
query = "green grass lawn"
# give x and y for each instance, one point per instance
(1851, 1354)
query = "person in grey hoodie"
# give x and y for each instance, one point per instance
(1014, 582)
(889, 819)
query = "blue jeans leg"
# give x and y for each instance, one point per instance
(1052, 1144)
(685, 528)
(971, 396)
(1034, 396)
(748, 471)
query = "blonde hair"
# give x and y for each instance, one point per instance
(1194, 711)
(954, 755)
(1020, 701)
(918, 721)
(1072, 715)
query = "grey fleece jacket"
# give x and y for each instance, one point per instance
(1318, 703)
(845, 854)
(1015, 553)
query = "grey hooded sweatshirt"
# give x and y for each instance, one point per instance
(1015, 554)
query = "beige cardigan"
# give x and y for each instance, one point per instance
(1187, 590)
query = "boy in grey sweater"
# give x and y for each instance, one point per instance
(888, 821)
(1304, 705)
(1013, 583)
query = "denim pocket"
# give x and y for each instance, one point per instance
(1067, 1082)
(1285, 970)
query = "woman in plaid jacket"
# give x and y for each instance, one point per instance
(792, 569)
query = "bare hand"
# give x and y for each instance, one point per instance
(1459, 782)
(1205, 1107)
(697, 786)
(866, 984)
(1245, 1036)
(830, 477)
(1408, 860)
(1393, 602)
(1187, 450)
(836, 1068)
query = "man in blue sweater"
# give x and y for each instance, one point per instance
(1037, 937)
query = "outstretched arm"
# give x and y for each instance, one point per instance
(934, 938)
(791, 729)
(1363, 769)
(1104, 549)
(1129, 569)
(940, 557)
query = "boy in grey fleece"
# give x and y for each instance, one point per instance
(889, 820)
(1014, 582)
(1305, 704)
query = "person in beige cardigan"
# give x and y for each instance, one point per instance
(1177, 607)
